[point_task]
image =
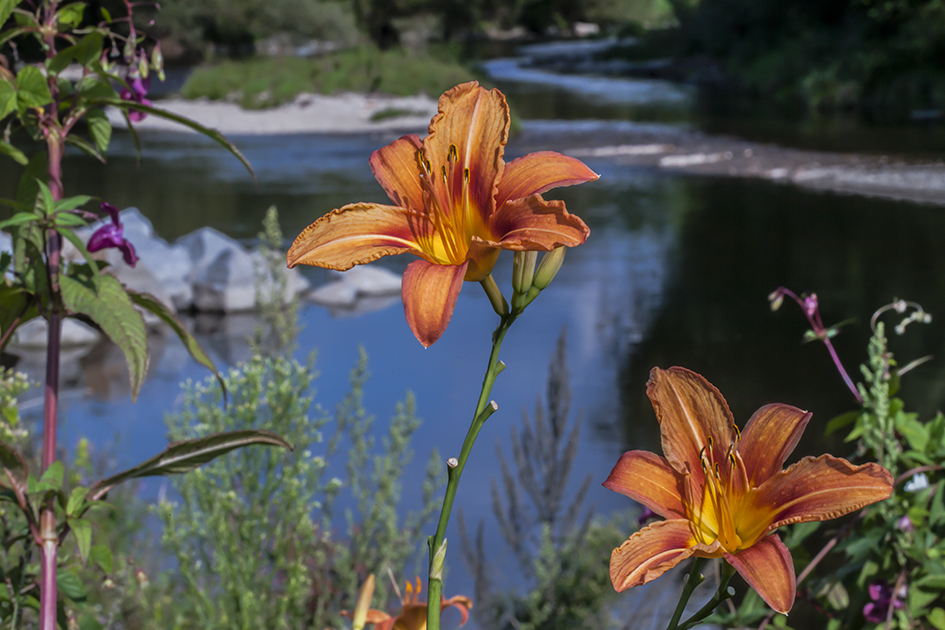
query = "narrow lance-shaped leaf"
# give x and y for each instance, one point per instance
(213, 134)
(8, 149)
(181, 457)
(110, 307)
(154, 305)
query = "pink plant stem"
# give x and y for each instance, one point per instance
(47, 525)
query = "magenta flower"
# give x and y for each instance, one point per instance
(138, 90)
(113, 235)
(883, 598)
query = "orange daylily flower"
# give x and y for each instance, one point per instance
(723, 492)
(456, 204)
(413, 614)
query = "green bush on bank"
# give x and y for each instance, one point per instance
(267, 81)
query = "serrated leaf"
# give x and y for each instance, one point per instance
(154, 305)
(19, 219)
(54, 475)
(76, 500)
(70, 584)
(102, 556)
(61, 61)
(14, 470)
(918, 599)
(31, 88)
(213, 134)
(83, 535)
(70, 15)
(111, 308)
(89, 48)
(7, 98)
(181, 457)
(99, 128)
(86, 147)
(8, 149)
(16, 308)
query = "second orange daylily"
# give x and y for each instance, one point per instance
(413, 613)
(723, 492)
(456, 204)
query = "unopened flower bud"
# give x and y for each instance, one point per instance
(523, 271)
(548, 268)
(496, 298)
(143, 67)
(776, 298)
(157, 60)
(364, 602)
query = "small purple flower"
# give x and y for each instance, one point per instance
(138, 90)
(811, 304)
(113, 235)
(883, 598)
(905, 524)
(646, 515)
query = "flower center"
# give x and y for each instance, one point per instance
(445, 230)
(721, 512)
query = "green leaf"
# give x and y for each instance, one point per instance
(841, 421)
(181, 457)
(76, 501)
(72, 203)
(937, 509)
(105, 14)
(7, 98)
(102, 556)
(83, 535)
(19, 219)
(937, 618)
(44, 200)
(54, 475)
(71, 236)
(919, 599)
(99, 128)
(154, 305)
(70, 584)
(70, 16)
(27, 189)
(6, 9)
(31, 88)
(5, 259)
(61, 61)
(64, 218)
(213, 134)
(85, 146)
(111, 308)
(8, 149)
(13, 468)
(15, 302)
(931, 581)
(89, 48)
(88, 622)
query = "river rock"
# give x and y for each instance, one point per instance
(295, 282)
(6, 243)
(371, 280)
(33, 334)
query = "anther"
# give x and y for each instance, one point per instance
(427, 165)
(718, 475)
(453, 154)
(703, 464)
(443, 171)
(702, 453)
(466, 175)
(731, 457)
(710, 442)
(738, 434)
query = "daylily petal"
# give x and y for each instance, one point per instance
(650, 553)
(429, 292)
(476, 122)
(768, 568)
(821, 488)
(396, 170)
(769, 439)
(352, 235)
(537, 172)
(411, 617)
(461, 603)
(690, 411)
(532, 224)
(648, 479)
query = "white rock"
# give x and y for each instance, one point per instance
(371, 280)
(33, 334)
(335, 294)
(227, 284)
(6, 243)
(295, 282)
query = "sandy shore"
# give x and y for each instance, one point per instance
(309, 113)
(661, 147)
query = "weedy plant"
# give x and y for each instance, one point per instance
(885, 566)
(39, 102)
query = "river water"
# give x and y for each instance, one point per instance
(676, 272)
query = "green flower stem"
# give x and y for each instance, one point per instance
(484, 409)
(694, 579)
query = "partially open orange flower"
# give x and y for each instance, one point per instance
(413, 614)
(457, 203)
(723, 492)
